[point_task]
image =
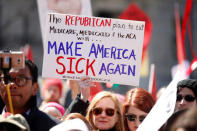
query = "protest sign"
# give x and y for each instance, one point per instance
(163, 108)
(105, 49)
(75, 7)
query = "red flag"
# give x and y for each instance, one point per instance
(152, 82)
(28, 52)
(190, 39)
(180, 48)
(133, 12)
(187, 12)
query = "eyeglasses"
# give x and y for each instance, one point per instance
(18, 80)
(188, 98)
(108, 111)
(132, 117)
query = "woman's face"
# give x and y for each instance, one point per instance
(104, 114)
(52, 94)
(185, 99)
(134, 117)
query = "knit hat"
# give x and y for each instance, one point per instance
(59, 107)
(18, 120)
(189, 83)
(52, 82)
(73, 124)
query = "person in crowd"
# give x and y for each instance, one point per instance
(74, 91)
(77, 115)
(104, 112)
(138, 103)
(23, 87)
(186, 94)
(10, 122)
(54, 109)
(187, 121)
(186, 98)
(51, 91)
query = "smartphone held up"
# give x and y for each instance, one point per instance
(12, 59)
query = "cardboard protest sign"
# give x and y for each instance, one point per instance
(75, 7)
(163, 108)
(105, 49)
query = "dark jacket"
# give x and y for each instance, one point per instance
(38, 120)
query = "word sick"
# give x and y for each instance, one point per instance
(74, 65)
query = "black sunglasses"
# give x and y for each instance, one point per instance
(132, 117)
(108, 111)
(188, 98)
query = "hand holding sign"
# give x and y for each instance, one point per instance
(84, 85)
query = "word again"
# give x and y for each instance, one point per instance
(117, 69)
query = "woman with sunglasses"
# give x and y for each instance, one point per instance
(186, 94)
(104, 112)
(138, 102)
(186, 98)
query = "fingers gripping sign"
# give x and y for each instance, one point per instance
(84, 85)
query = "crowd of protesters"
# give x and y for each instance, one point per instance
(102, 111)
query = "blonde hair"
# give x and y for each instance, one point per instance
(103, 94)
